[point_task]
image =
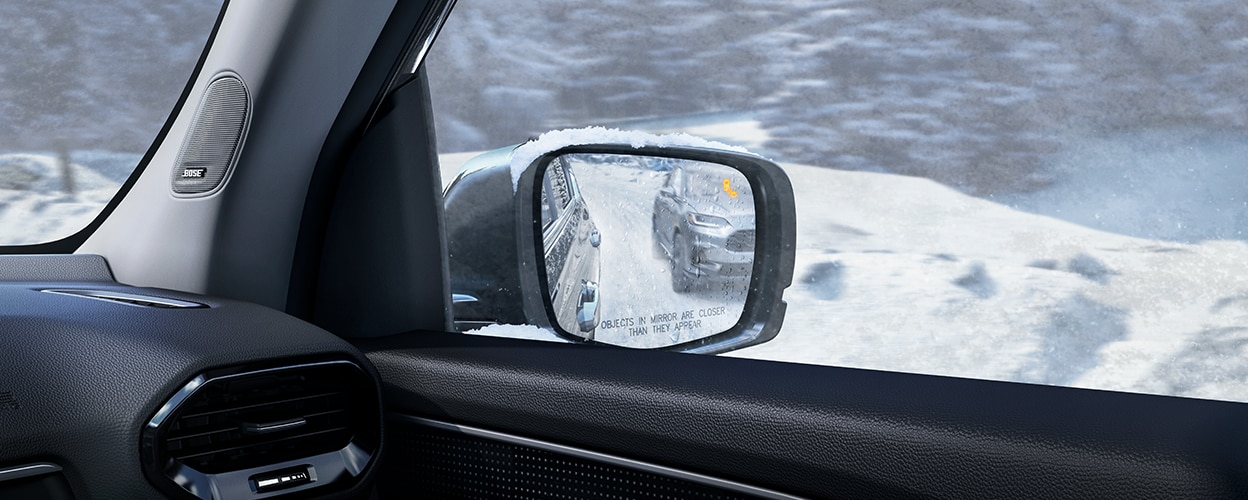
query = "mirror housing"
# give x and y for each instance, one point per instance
(774, 231)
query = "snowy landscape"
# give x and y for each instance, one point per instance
(901, 273)
(1039, 191)
(45, 197)
(80, 102)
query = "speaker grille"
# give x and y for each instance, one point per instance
(211, 148)
(441, 464)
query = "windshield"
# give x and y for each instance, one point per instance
(1045, 192)
(84, 89)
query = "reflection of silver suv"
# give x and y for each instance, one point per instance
(703, 226)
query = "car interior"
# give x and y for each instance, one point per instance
(265, 311)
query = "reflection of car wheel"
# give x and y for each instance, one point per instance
(587, 309)
(681, 281)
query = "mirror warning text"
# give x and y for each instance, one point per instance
(663, 322)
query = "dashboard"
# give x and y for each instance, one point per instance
(112, 391)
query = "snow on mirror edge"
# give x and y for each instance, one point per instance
(526, 153)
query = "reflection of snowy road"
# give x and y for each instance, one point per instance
(639, 308)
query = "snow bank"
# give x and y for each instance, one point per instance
(39, 203)
(903, 274)
(529, 332)
(1185, 185)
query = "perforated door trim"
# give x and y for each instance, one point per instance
(627, 463)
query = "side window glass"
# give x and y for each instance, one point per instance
(84, 89)
(1051, 193)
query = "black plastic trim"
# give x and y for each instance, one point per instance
(364, 102)
(821, 431)
(30, 470)
(417, 47)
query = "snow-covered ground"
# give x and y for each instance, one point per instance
(901, 273)
(905, 274)
(1186, 184)
(41, 201)
(1078, 209)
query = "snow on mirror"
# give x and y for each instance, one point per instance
(646, 251)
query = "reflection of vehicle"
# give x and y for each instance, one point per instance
(703, 232)
(570, 240)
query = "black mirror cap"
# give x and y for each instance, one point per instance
(774, 250)
(481, 243)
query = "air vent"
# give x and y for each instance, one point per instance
(222, 432)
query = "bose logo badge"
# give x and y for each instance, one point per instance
(210, 148)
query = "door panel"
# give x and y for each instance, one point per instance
(820, 431)
(449, 461)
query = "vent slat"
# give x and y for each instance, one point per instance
(261, 405)
(257, 444)
(336, 402)
(234, 427)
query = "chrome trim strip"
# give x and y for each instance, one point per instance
(31, 470)
(596, 456)
(273, 427)
(189, 389)
(462, 298)
(123, 297)
(174, 402)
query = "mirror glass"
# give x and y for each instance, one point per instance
(646, 251)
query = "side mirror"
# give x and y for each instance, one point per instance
(605, 256)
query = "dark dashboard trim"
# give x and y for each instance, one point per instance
(30, 470)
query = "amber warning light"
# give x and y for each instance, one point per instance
(728, 189)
